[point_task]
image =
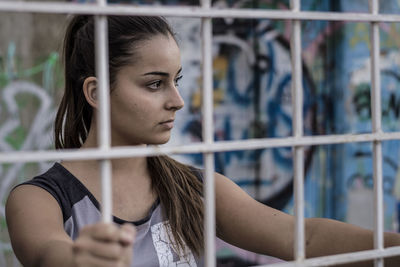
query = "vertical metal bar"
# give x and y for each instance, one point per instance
(376, 128)
(104, 138)
(106, 189)
(297, 115)
(208, 133)
(209, 226)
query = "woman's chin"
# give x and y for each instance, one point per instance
(159, 141)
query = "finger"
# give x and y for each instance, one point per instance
(127, 253)
(109, 250)
(99, 249)
(102, 232)
(87, 260)
(127, 234)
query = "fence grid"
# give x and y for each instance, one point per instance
(104, 153)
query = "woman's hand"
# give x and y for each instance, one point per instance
(104, 244)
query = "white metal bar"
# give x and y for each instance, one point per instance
(299, 248)
(340, 258)
(375, 70)
(208, 133)
(103, 129)
(378, 200)
(106, 191)
(101, 3)
(376, 128)
(295, 5)
(220, 146)
(297, 87)
(297, 116)
(104, 138)
(184, 11)
(209, 219)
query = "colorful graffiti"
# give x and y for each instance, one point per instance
(252, 100)
(359, 178)
(26, 117)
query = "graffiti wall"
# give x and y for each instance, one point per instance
(252, 99)
(30, 84)
(357, 166)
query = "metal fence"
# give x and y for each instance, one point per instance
(297, 141)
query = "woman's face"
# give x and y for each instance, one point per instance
(146, 97)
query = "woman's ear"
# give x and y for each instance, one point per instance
(90, 91)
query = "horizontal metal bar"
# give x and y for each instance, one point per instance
(221, 146)
(340, 258)
(184, 11)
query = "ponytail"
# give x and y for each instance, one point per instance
(74, 115)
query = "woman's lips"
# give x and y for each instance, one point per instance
(169, 124)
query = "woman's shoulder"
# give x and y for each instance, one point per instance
(200, 173)
(58, 183)
(55, 180)
(35, 196)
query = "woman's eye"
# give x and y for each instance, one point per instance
(177, 80)
(154, 85)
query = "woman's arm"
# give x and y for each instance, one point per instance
(35, 224)
(246, 223)
(327, 237)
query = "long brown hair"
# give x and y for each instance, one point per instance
(176, 184)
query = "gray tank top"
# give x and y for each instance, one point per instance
(152, 246)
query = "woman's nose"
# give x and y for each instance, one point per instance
(175, 100)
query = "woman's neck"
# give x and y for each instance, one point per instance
(119, 165)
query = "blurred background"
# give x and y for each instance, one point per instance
(252, 99)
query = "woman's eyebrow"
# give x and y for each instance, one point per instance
(161, 73)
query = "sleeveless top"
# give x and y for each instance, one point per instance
(152, 245)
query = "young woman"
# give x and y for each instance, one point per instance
(53, 219)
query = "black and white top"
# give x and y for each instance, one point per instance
(152, 246)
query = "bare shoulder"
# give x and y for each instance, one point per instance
(26, 191)
(33, 218)
(26, 198)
